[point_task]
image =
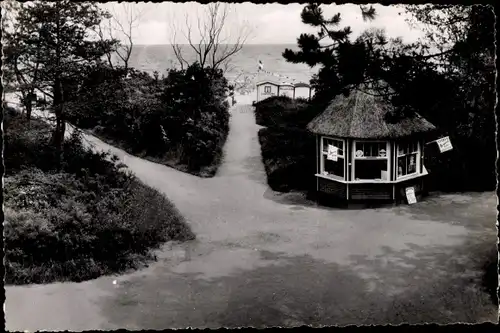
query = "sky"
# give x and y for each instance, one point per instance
(268, 23)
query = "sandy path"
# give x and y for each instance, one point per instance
(260, 259)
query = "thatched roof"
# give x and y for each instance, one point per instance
(362, 116)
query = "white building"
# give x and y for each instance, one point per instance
(268, 88)
(286, 89)
(303, 90)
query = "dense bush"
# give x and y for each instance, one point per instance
(288, 150)
(278, 111)
(180, 120)
(197, 116)
(88, 219)
(289, 158)
(23, 148)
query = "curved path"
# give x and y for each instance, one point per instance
(263, 259)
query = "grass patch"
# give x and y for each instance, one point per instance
(289, 158)
(88, 219)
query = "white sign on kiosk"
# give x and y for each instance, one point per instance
(444, 144)
(410, 195)
(332, 153)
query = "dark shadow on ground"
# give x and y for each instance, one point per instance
(490, 277)
(475, 211)
(300, 290)
(302, 199)
(463, 208)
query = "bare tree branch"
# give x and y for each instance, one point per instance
(175, 46)
(114, 28)
(215, 46)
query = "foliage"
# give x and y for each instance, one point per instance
(343, 63)
(284, 111)
(448, 78)
(52, 44)
(23, 147)
(183, 116)
(87, 219)
(463, 105)
(289, 158)
(16, 77)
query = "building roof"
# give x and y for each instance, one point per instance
(362, 116)
(276, 83)
(302, 85)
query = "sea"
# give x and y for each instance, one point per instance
(160, 58)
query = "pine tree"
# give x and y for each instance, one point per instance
(56, 39)
(343, 63)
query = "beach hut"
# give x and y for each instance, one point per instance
(364, 156)
(286, 89)
(302, 90)
(266, 89)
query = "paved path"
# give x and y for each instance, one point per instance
(263, 259)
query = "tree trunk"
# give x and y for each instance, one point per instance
(28, 105)
(58, 135)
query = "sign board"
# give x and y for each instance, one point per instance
(444, 144)
(332, 153)
(410, 195)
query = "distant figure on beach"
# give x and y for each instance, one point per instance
(261, 66)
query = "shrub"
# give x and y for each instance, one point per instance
(24, 147)
(185, 112)
(88, 219)
(197, 114)
(27, 145)
(282, 111)
(289, 158)
(53, 220)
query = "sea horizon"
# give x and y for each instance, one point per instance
(246, 44)
(160, 57)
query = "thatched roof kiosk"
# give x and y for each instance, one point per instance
(364, 154)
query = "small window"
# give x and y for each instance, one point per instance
(336, 143)
(365, 169)
(333, 168)
(371, 161)
(371, 149)
(408, 155)
(330, 167)
(267, 89)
